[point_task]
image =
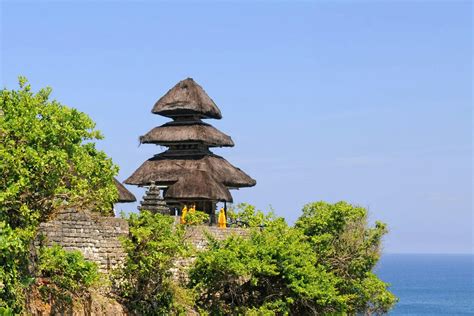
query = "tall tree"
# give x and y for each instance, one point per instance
(345, 244)
(48, 161)
(48, 158)
(321, 266)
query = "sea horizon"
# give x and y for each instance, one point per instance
(429, 283)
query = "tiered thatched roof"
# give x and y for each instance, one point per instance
(188, 170)
(125, 196)
(187, 132)
(165, 171)
(198, 186)
(187, 98)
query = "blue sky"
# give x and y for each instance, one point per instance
(368, 102)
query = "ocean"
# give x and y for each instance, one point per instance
(429, 284)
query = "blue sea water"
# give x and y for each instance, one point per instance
(429, 284)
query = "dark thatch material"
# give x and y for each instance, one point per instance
(191, 132)
(195, 186)
(125, 196)
(187, 98)
(163, 169)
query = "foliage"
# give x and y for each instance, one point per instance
(6, 311)
(196, 218)
(274, 270)
(48, 161)
(346, 246)
(321, 266)
(65, 274)
(144, 282)
(13, 268)
(247, 215)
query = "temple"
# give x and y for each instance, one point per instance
(187, 173)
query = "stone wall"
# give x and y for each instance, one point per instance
(96, 236)
(196, 235)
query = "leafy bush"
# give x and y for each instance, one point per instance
(346, 246)
(272, 270)
(145, 283)
(321, 266)
(13, 268)
(65, 274)
(247, 215)
(196, 218)
(48, 162)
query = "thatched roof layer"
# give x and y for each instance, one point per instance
(187, 98)
(125, 196)
(164, 169)
(191, 132)
(197, 185)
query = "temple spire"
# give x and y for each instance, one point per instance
(188, 171)
(187, 98)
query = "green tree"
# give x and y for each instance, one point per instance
(145, 282)
(349, 248)
(48, 161)
(247, 215)
(274, 270)
(322, 266)
(13, 277)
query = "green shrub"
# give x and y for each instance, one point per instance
(320, 267)
(247, 215)
(274, 270)
(48, 162)
(196, 218)
(145, 283)
(14, 277)
(6, 311)
(65, 275)
(349, 248)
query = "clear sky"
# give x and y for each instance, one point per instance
(368, 102)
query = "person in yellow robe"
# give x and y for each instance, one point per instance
(222, 222)
(183, 215)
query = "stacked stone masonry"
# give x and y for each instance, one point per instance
(96, 236)
(196, 235)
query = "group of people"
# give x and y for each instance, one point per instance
(221, 221)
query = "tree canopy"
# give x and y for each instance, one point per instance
(48, 161)
(144, 283)
(321, 266)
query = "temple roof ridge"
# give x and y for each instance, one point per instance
(187, 132)
(187, 98)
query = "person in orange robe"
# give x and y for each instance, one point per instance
(183, 215)
(222, 222)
